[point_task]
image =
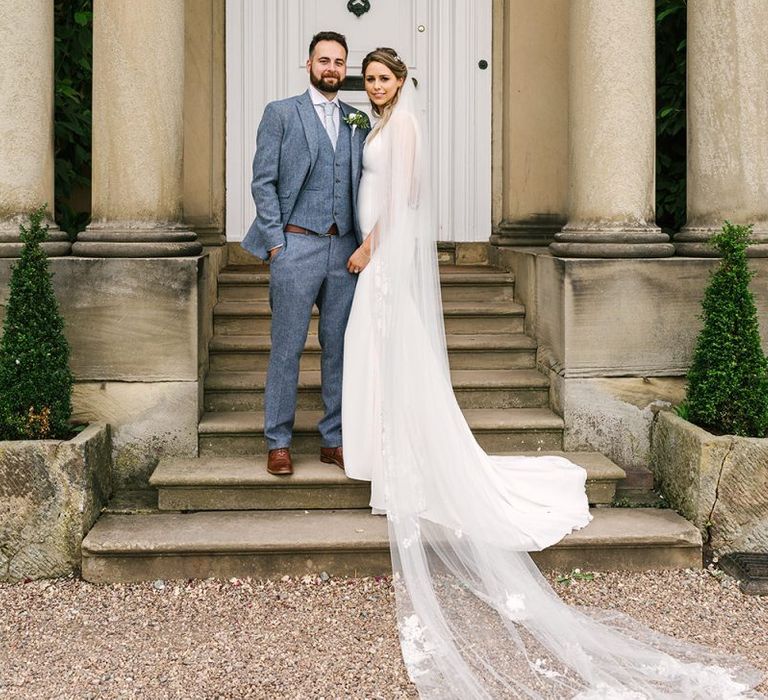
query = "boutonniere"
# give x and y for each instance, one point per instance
(356, 119)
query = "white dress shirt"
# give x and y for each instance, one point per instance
(318, 100)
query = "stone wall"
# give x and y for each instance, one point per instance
(620, 317)
(138, 330)
(615, 415)
(51, 493)
(717, 482)
(616, 338)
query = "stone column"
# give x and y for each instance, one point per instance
(205, 120)
(26, 120)
(727, 116)
(532, 96)
(612, 133)
(138, 95)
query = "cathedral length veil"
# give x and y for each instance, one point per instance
(475, 616)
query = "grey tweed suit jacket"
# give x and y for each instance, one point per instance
(286, 151)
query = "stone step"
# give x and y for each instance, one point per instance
(238, 353)
(449, 274)
(497, 430)
(127, 501)
(458, 283)
(639, 482)
(229, 483)
(254, 317)
(513, 388)
(270, 544)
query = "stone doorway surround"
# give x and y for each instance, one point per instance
(444, 45)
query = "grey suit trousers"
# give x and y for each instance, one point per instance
(308, 270)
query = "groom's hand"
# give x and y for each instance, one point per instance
(273, 252)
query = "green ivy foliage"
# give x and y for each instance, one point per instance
(35, 380)
(73, 54)
(728, 380)
(670, 114)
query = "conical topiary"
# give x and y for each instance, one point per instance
(35, 380)
(728, 380)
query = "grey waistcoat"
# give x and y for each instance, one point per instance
(326, 197)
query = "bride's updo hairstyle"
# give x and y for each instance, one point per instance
(389, 58)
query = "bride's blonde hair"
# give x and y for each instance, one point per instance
(389, 58)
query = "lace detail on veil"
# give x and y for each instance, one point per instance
(417, 650)
(476, 619)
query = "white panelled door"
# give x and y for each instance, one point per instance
(444, 43)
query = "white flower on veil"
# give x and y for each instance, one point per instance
(515, 606)
(416, 648)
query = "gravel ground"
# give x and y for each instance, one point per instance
(294, 638)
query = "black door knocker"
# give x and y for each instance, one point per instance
(358, 7)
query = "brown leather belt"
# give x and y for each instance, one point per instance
(333, 231)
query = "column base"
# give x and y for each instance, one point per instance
(693, 242)
(55, 246)
(140, 241)
(525, 233)
(210, 235)
(612, 242)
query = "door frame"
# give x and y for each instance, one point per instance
(244, 88)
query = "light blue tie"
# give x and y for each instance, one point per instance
(330, 128)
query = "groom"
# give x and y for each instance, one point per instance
(306, 173)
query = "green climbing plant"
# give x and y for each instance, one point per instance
(73, 58)
(670, 114)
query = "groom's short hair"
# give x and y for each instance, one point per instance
(328, 36)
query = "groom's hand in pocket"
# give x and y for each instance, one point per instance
(274, 252)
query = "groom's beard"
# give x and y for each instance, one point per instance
(327, 82)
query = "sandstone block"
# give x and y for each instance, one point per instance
(127, 319)
(51, 493)
(622, 317)
(149, 420)
(614, 415)
(718, 482)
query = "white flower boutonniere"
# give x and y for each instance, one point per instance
(356, 119)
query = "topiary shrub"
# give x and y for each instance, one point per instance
(728, 380)
(35, 380)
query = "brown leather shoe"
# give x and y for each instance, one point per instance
(279, 462)
(332, 455)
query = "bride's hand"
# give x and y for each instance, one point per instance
(358, 261)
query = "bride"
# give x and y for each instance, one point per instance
(476, 618)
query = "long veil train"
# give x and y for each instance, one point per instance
(476, 618)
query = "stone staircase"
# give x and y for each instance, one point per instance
(221, 514)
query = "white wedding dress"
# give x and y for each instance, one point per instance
(476, 618)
